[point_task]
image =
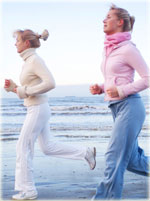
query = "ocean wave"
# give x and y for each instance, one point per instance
(59, 107)
(16, 129)
(77, 107)
(8, 139)
(13, 114)
(75, 136)
(63, 113)
(75, 113)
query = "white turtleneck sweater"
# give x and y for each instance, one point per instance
(35, 79)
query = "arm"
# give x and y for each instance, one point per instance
(47, 81)
(136, 61)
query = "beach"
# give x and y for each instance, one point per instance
(62, 179)
(77, 121)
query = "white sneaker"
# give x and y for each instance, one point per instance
(91, 157)
(29, 195)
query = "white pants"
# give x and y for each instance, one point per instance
(36, 125)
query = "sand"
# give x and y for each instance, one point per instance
(62, 179)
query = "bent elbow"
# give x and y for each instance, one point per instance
(147, 82)
(51, 85)
(54, 85)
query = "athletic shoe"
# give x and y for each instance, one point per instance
(29, 195)
(91, 157)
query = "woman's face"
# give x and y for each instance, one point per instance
(20, 44)
(112, 24)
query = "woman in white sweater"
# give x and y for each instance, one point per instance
(35, 81)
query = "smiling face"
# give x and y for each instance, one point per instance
(112, 24)
(20, 44)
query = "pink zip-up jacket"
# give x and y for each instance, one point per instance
(119, 68)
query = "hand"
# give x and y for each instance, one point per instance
(95, 89)
(10, 86)
(112, 92)
(7, 83)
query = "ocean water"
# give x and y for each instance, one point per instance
(73, 118)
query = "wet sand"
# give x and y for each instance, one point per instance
(62, 179)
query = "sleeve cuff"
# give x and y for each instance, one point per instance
(21, 92)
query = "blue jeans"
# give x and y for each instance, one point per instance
(123, 151)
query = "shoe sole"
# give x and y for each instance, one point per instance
(31, 198)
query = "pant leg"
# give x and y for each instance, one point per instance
(36, 125)
(129, 117)
(54, 148)
(32, 127)
(139, 163)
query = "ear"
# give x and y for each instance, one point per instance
(121, 22)
(27, 42)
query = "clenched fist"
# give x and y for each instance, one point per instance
(10, 86)
(95, 89)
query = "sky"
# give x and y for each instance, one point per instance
(73, 51)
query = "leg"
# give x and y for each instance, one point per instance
(62, 150)
(139, 163)
(33, 125)
(129, 116)
(58, 149)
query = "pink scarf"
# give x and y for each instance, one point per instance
(114, 39)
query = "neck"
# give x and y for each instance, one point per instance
(27, 53)
(111, 33)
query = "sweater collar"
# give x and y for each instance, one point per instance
(114, 39)
(27, 53)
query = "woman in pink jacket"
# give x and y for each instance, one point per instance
(120, 60)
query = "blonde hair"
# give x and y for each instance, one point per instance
(123, 14)
(32, 37)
